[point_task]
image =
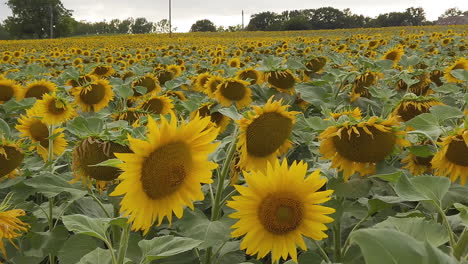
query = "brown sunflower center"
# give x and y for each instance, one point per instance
(393, 56)
(233, 90)
(424, 161)
(11, 161)
(165, 170)
(457, 152)
(101, 70)
(39, 132)
(36, 91)
(93, 94)
(250, 74)
(91, 152)
(165, 76)
(154, 106)
(363, 147)
(6, 93)
(280, 213)
(148, 83)
(281, 80)
(411, 110)
(267, 133)
(53, 109)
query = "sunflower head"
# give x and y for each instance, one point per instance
(234, 63)
(11, 157)
(394, 55)
(150, 82)
(410, 107)
(280, 204)
(102, 71)
(362, 83)
(282, 80)
(264, 134)
(176, 94)
(233, 90)
(83, 80)
(250, 74)
(8, 90)
(54, 109)
(417, 165)
(212, 84)
(159, 105)
(316, 64)
(355, 113)
(217, 119)
(38, 88)
(175, 69)
(356, 146)
(94, 96)
(461, 63)
(165, 173)
(452, 159)
(435, 77)
(10, 225)
(164, 75)
(201, 81)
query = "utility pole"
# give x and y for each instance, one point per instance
(242, 19)
(170, 20)
(51, 21)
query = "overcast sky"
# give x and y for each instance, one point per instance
(227, 13)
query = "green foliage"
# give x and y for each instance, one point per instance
(203, 25)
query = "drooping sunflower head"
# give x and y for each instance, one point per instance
(212, 84)
(362, 83)
(264, 135)
(417, 165)
(54, 109)
(217, 119)
(316, 64)
(11, 157)
(233, 90)
(422, 87)
(8, 90)
(38, 88)
(176, 94)
(131, 115)
(83, 80)
(150, 82)
(94, 96)
(201, 81)
(280, 204)
(164, 75)
(394, 55)
(38, 132)
(158, 105)
(435, 77)
(452, 159)
(461, 63)
(355, 113)
(91, 151)
(410, 107)
(282, 80)
(10, 225)
(251, 75)
(102, 71)
(165, 173)
(357, 146)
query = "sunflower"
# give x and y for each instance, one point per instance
(200, 81)
(277, 208)
(149, 81)
(131, 115)
(164, 75)
(176, 94)
(394, 55)
(81, 81)
(417, 165)
(8, 90)
(234, 63)
(250, 74)
(102, 71)
(175, 69)
(358, 146)
(165, 173)
(410, 107)
(158, 105)
(94, 96)
(435, 77)
(38, 88)
(461, 63)
(212, 84)
(91, 151)
(219, 120)
(361, 84)
(10, 226)
(11, 157)
(264, 134)
(452, 159)
(355, 113)
(283, 80)
(315, 65)
(233, 90)
(54, 110)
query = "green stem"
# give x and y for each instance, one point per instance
(322, 252)
(337, 234)
(226, 165)
(51, 225)
(100, 204)
(51, 146)
(109, 245)
(447, 225)
(215, 210)
(348, 240)
(123, 244)
(462, 245)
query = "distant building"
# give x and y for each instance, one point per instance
(453, 20)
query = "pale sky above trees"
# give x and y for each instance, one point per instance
(228, 13)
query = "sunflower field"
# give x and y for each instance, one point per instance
(343, 146)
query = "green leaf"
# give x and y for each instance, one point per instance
(427, 123)
(419, 228)
(387, 246)
(460, 74)
(52, 185)
(293, 64)
(318, 123)
(97, 256)
(165, 246)
(422, 188)
(4, 129)
(444, 112)
(354, 188)
(316, 93)
(376, 205)
(231, 112)
(422, 150)
(82, 127)
(47, 242)
(82, 224)
(391, 177)
(123, 91)
(463, 212)
(75, 248)
(108, 163)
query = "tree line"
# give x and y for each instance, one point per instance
(50, 19)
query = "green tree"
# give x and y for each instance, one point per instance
(125, 26)
(203, 25)
(297, 23)
(32, 19)
(141, 26)
(3, 33)
(264, 21)
(451, 12)
(162, 26)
